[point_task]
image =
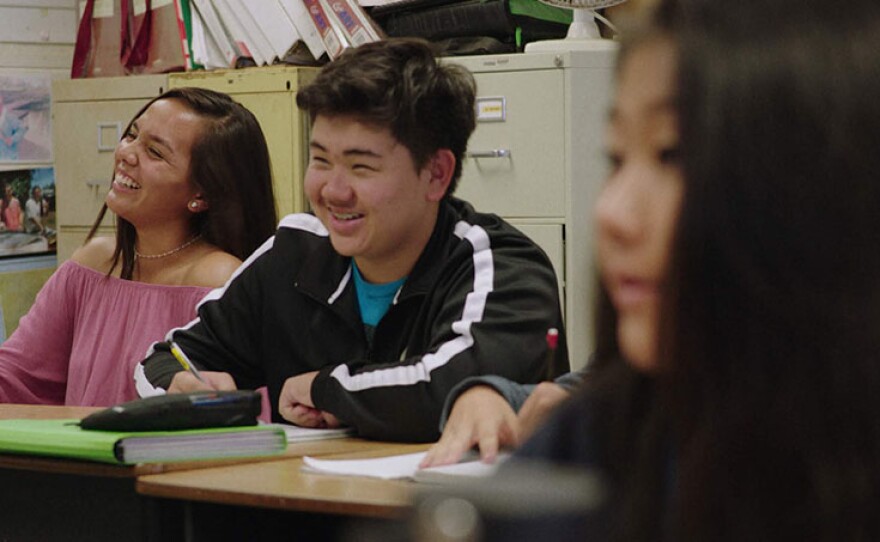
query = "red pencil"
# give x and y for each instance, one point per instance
(552, 340)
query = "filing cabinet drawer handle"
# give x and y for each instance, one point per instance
(494, 153)
(111, 146)
(95, 185)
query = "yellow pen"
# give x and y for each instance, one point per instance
(185, 362)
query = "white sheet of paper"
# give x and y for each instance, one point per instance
(402, 466)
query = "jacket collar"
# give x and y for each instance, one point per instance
(426, 272)
(326, 276)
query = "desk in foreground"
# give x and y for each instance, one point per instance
(282, 485)
(46, 498)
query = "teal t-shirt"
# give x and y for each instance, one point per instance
(373, 299)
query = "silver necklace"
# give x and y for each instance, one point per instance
(138, 255)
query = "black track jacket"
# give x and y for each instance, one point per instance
(478, 301)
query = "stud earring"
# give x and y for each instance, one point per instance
(193, 205)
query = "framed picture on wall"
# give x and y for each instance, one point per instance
(27, 212)
(25, 118)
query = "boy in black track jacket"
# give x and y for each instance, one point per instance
(370, 311)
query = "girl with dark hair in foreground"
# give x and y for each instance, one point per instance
(736, 390)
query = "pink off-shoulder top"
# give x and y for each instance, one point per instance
(80, 341)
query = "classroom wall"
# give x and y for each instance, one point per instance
(36, 37)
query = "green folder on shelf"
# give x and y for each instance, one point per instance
(64, 438)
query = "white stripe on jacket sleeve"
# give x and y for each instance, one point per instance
(474, 308)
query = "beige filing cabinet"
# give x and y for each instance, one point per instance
(103, 106)
(537, 160)
(270, 93)
(88, 117)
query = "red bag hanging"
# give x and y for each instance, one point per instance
(168, 49)
(136, 21)
(99, 40)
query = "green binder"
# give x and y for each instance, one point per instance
(63, 438)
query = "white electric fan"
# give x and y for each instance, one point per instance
(583, 34)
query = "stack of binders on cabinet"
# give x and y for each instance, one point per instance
(506, 25)
(228, 33)
(121, 37)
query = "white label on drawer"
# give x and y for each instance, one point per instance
(491, 109)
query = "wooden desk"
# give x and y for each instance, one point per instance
(256, 501)
(44, 498)
(282, 485)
